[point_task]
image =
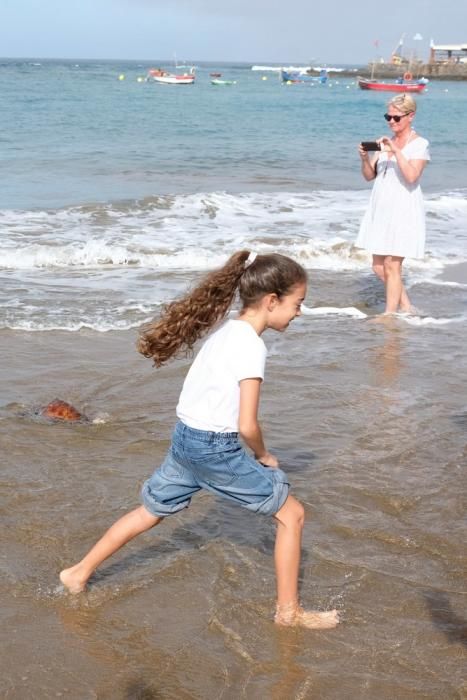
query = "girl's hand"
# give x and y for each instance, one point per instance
(268, 460)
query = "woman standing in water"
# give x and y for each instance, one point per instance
(393, 227)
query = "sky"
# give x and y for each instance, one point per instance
(255, 31)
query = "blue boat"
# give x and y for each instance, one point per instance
(299, 77)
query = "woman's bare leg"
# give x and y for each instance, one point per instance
(379, 265)
(121, 532)
(405, 304)
(290, 519)
(394, 286)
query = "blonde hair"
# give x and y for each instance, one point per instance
(404, 103)
(185, 320)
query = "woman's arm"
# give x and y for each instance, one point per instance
(411, 169)
(248, 425)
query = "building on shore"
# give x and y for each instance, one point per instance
(448, 53)
(445, 62)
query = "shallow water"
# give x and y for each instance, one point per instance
(368, 419)
(118, 195)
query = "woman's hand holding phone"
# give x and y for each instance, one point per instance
(370, 146)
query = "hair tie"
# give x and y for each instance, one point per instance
(250, 259)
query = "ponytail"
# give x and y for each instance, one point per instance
(185, 320)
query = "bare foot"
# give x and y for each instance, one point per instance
(317, 620)
(410, 311)
(293, 615)
(386, 318)
(72, 580)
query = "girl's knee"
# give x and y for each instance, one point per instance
(147, 519)
(300, 515)
(292, 513)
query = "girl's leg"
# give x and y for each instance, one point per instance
(121, 532)
(396, 296)
(290, 519)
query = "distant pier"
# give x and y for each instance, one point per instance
(433, 71)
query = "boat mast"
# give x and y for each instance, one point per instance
(373, 64)
(399, 45)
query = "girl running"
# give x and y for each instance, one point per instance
(217, 406)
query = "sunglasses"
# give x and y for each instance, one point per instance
(396, 117)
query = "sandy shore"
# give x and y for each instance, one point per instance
(369, 424)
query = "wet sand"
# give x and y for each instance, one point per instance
(370, 423)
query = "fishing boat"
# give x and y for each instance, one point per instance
(401, 85)
(303, 77)
(404, 82)
(159, 75)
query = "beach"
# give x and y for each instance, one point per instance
(368, 419)
(376, 453)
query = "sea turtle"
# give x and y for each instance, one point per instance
(61, 410)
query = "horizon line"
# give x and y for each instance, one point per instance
(171, 60)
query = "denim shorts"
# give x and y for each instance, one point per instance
(217, 462)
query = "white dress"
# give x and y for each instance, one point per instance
(394, 222)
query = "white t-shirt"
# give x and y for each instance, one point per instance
(210, 398)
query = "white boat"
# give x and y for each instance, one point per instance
(160, 75)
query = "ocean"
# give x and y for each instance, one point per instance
(117, 194)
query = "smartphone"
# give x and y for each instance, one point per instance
(371, 146)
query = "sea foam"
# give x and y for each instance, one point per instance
(197, 232)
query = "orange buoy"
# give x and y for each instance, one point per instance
(61, 410)
(408, 75)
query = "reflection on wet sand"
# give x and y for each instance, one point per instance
(386, 356)
(294, 680)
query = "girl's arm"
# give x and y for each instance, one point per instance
(248, 425)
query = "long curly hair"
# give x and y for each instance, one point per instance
(187, 319)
